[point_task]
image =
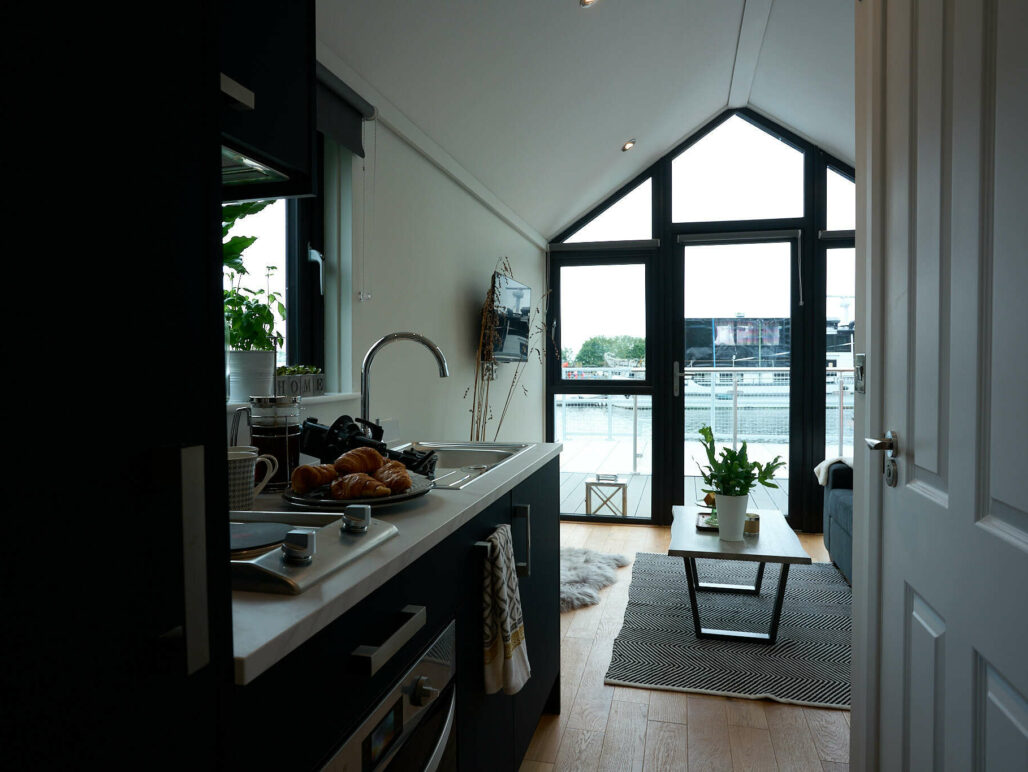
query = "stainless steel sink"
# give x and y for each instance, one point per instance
(461, 463)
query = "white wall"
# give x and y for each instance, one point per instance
(427, 258)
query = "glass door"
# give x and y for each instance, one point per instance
(601, 404)
(735, 355)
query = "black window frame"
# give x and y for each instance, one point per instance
(807, 423)
(305, 299)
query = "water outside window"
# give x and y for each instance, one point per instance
(840, 307)
(607, 437)
(737, 356)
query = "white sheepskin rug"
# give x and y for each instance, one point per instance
(583, 572)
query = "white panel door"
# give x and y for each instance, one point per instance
(954, 529)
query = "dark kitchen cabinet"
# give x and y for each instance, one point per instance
(267, 60)
(332, 691)
(118, 638)
(494, 730)
(540, 599)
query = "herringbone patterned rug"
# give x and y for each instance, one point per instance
(808, 665)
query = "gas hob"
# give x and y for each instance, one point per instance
(286, 559)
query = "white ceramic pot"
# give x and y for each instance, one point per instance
(731, 516)
(251, 374)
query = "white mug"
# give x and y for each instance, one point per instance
(241, 468)
(244, 449)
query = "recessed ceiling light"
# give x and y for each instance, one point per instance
(628, 145)
(586, 3)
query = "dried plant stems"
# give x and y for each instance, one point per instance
(485, 365)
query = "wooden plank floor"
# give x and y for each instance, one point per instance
(604, 727)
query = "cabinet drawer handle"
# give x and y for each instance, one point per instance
(525, 511)
(373, 657)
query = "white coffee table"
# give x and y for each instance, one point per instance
(776, 543)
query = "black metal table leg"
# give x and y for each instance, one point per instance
(744, 589)
(776, 615)
(692, 579)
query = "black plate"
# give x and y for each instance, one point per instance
(319, 498)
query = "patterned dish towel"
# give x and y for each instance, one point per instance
(506, 655)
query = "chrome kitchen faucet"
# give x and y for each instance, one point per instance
(444, 370)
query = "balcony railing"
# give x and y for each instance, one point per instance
(748, 404)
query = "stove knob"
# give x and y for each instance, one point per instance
(299, 546)
(423, 692)
(356, 518)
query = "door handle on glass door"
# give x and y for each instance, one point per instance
(677, 375)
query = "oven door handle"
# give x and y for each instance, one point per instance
(371, 658)
(440, 747)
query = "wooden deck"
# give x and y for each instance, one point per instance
(572, 494)
(583, 458)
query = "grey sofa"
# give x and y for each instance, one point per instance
(838, 518)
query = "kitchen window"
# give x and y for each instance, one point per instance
(303, 250)
(300, 257)
(264, 260)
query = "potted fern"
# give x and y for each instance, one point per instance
(731, 478)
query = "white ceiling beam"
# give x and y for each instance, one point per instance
(747, 51)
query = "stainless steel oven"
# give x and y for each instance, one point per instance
(412, 727)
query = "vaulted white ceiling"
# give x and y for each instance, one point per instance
(534, 98)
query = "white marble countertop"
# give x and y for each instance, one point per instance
(267, 627)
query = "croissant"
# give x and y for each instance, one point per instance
(357, 486)
(309, 476)
(394, 475)
(362, 459)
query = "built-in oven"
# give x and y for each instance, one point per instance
(412, 728)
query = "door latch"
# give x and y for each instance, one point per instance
(890, 444)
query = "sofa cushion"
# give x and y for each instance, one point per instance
(842, 550)
(839, 507)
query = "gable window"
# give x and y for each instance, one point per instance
(737, 171)
(629, 219)
(742, 236)
(841, 206)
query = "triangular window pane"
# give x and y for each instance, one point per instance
(630, 219)
(737, 172)
(841, 203)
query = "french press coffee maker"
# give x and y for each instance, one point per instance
(274, 424)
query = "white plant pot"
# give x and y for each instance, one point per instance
(731, 516)
(251, 374)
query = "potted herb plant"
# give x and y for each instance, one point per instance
(299, 381)
(250, 336)
(253, 340)
(731, 478)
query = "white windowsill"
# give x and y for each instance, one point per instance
(321, 399)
